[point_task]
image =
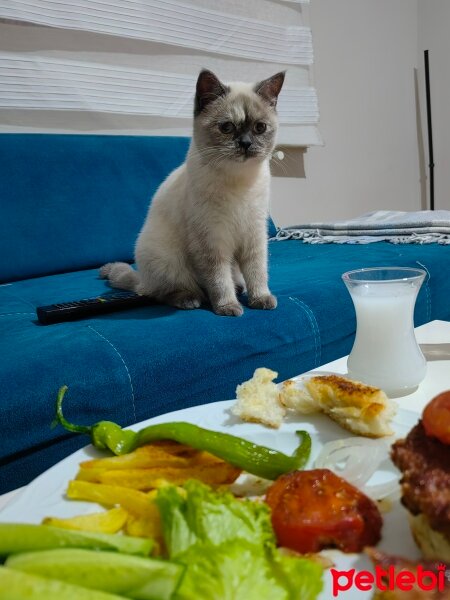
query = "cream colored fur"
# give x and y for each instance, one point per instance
(205, 235)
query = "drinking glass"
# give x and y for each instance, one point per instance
(385, 353)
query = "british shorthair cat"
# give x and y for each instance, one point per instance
(205, 235)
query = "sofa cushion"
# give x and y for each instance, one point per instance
(135, 364)
(76, 201)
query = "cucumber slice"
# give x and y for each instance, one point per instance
(132, 576)
(22, 586)
(19, 537)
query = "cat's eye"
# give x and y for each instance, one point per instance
(260, 127)
(226, 127)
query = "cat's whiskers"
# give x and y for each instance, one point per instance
(213, 156)
(218, 160)
(208, 152)
(280, 164)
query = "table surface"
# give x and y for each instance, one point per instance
(434, 340)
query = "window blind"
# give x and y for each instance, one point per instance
(131, 65)
(175, 23)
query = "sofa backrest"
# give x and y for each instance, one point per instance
(70, 202)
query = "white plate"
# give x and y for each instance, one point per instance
(45, 495)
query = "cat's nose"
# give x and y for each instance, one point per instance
(245, 141)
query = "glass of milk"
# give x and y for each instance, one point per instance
(385, 353)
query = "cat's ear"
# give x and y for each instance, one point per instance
(270, 88)
(208, 89)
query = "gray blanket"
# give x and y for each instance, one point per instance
(397, 227)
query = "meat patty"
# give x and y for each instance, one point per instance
(425, 466)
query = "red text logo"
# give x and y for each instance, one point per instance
(388, 579)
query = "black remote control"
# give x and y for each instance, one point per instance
(69, 311)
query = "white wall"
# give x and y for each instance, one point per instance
(434, 25)
(365, 56)
(366, 53)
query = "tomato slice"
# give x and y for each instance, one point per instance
(317, 509)
(436, 418)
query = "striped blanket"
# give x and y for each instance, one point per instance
(397, 227)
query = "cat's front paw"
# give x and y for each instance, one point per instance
(189, 303)
(183, 299)
(266, 302)
(233, 309)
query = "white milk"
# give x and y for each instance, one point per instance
(385, 353)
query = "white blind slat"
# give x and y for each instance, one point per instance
(88, 70)
(172, 22)
(40, 83)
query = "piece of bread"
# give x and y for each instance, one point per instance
(258, 399)
(300, 400)
(360, 408)
(433, 544)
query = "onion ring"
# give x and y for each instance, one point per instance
(356, 459)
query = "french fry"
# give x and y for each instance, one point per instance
(122, 480)
(110, 521)
(88, 474)
(176, 449)
(205, 458)
(151, 456)
(144, 527)
(146, 479)
(133, 501)
(172, 447)
(144, 457)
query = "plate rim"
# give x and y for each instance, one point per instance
(404, 419)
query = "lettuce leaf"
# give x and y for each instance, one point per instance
(204, 516)
(229, 548)
(300, 577)
(239, 570)
(234, 570)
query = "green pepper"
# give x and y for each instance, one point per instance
(258, 460)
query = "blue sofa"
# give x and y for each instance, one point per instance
(71, 203)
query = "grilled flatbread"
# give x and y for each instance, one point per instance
(360, 408)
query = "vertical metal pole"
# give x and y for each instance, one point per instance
(430, 128)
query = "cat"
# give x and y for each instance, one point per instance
(205, 235)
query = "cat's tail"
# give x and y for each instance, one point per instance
(120, 275)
